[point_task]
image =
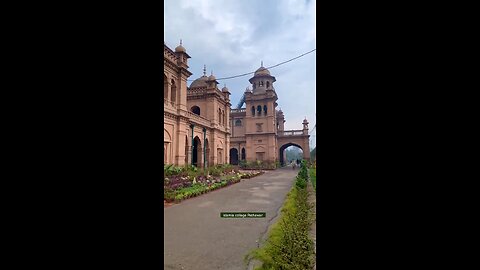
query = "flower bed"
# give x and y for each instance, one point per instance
(186, 182)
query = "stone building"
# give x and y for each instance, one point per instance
(196, 127)
(200, 128)
(258, 129)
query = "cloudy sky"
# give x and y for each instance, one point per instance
(232, 37)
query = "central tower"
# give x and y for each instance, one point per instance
(261, 128)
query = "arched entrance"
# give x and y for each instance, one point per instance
(197, 152)
(233, 156)
(282, 150)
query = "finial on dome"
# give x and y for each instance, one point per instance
(180, 41)
(204, 70)
(211, 72)
(261, 64)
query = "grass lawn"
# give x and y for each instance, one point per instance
(313, 178)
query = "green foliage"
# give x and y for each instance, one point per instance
(301, 183)
(169, 170)
(288, 245)
(214, 171)
(313, 177)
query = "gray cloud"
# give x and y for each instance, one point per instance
(231, 37)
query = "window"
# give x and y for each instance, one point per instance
(259, 110)
(254, 85)
(265, 109)
(268, 84)
(195, 110)
(238, 122)
(253, 110)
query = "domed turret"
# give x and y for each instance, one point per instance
(211, 77)
(262, 81)
(261, 71)
(180, 48)
(225, 89)
(202, 81)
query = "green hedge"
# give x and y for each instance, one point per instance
(288, 245)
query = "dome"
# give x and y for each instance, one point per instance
(200, 82)
(262, 71)
(225, 89)
(212, 78)
(180, 48)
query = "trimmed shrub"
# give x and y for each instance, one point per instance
(288, 245)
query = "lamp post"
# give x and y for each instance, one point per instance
(204, 147)
(191, 155)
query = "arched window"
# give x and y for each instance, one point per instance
(265, 109)
(259, 110)
(253, 110)
(195, 110)
(219, 116)
(254, 85)
(174, 91)
(238, 122)
(268, 84)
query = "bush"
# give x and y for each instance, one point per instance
(288, 245)
(301, 183)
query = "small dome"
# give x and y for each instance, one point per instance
(225, 89)
(180, 48)
(212, 78)
(200, 82)
(262, 71)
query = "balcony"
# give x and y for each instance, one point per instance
(197, 119)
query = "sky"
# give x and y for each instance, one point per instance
(232, 37)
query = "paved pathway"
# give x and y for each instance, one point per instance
(197, 238)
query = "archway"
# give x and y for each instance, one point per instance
(282, 150)
(197, 152)
(233, 156)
